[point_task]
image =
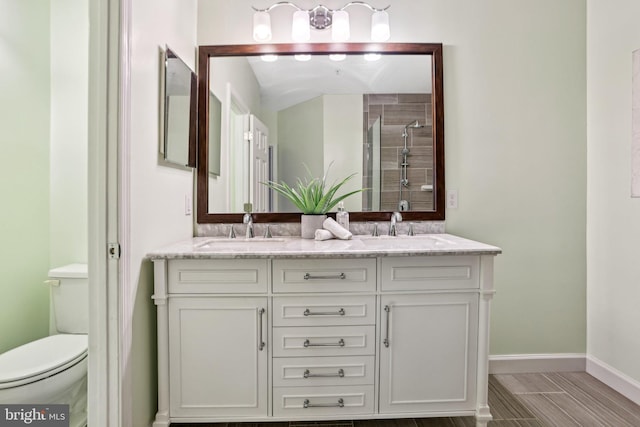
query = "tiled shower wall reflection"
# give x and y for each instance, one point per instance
(395, 112)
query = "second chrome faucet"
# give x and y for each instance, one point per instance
(395, 218)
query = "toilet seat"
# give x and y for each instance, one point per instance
(41, 359)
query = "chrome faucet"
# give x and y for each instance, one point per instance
(395, 218)
(248, 219)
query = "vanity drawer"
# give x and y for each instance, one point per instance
(430, 273)
(320, 310)
(324, 275)
(233, 276)
(317, 401)
(323, 341)
(319, 371)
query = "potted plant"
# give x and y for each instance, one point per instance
(313, 198)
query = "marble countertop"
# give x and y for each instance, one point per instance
(295, 247)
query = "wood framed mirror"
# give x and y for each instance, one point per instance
(400, 99)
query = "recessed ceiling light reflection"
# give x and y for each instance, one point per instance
(302, 58)
(337, 56)
(269, 58)
(372, 56)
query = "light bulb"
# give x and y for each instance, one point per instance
(300, 31)
(261, 27)
(340, 26)
(269, 58)
(380, 26)
(337, 56)
(302, 57)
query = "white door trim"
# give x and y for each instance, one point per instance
(108, 128)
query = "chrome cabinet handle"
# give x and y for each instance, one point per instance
(340, 312)
(306, 404)
(341, 276)
(338, 344)
(261, 343)
(308, 374)
(386, 339)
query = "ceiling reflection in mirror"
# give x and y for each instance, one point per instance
(298, 118)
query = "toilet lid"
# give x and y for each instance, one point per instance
(41, 356)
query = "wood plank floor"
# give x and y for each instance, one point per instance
(568, 399)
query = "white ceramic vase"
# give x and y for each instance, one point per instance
(309, 224)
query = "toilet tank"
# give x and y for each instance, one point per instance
(69, 299)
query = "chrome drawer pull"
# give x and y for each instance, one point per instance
(308, 374)
(341, 276)
(261, 343)
(340, 312)
(387, 309)
(306, 404)
(338, 344)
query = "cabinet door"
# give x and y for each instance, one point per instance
(217, 357)
(428, 351)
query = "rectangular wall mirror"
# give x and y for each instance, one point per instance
(375, 110)
(179, 112)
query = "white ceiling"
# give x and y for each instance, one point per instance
(287, 81)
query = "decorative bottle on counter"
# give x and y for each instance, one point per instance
(342, 216)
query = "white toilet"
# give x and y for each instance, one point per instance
(53, 370)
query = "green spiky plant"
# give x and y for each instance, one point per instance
(312, 196)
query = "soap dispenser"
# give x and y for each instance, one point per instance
(342, 216)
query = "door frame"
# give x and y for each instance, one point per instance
(109, 35)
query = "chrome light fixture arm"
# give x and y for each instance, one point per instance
(367, 5)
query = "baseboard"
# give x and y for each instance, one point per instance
(531, 363)
(615, 379)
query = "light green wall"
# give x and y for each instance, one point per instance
(515, 105)
(321, 132)
(343, 145)
(300, 143)
(68, 144)
(613, 232)
(515, 126)
(24, 171)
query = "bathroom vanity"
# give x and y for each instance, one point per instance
(293, 329)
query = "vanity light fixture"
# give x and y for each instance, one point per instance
(269, 58)
(372, 57)
(302, 57)
(338, 56)
(321, 18)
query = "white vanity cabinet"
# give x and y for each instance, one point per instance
(212, 332)
(297, 337)
(429, 334)
(428, 355)
(217, 356)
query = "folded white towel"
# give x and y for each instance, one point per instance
(336, 229)
(324, 234)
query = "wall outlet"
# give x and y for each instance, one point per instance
(187, 205)
(452, 199)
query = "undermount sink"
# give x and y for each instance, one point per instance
(222, 241)
(404, 239)
(424, 237)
